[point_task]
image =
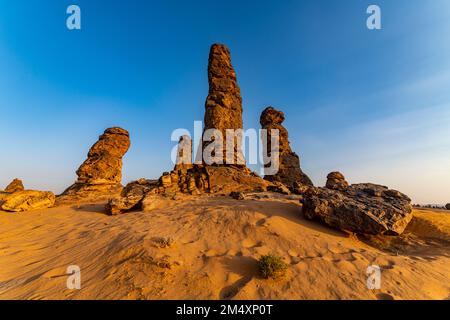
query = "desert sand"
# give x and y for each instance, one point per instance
(216, 242)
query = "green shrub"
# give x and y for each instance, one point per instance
(272, 266)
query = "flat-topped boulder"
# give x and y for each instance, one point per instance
(361, 208)
(28, 200)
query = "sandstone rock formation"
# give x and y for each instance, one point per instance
(184, 154)
(200, 179)
(336, 181)
(101, 173)
(289, 163)
(15, 186)
(28, 200)
(279, 188)
(131, 196)
(223, 108)
(360, 208)
(211, 179)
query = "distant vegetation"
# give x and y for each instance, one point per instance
(432, 206)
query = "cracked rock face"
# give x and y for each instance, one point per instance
(289, 172)
(360, 208)
(223, 108)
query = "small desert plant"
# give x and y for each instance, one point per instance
(272, 266)
(163, 242)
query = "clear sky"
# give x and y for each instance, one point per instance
(374, 105)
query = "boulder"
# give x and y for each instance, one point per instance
(15, 186)
(101, 174)
(300, 188)
(28, 200)
(447, 206)
(360, 208)
(237, 195)
(289, 171)
(279, 188)
(336, 181)
(223, 107)
(131, 196)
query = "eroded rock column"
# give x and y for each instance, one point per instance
(289, 171)
(223, 108)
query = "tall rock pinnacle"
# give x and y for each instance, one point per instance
(224, 102)
(289, 171)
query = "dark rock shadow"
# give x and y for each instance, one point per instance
(246, 267)
(92, 208)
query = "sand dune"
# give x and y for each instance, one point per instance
(216, 244)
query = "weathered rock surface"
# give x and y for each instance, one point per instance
(300, 188)
(289, 171)
(211, 179)
(28, 200)
(220, 180)
(223, 108)
(336, 181)
(184, 154)
(15, 186)
(131, 196)
(279, 188)
(360, 208)
(101, 174)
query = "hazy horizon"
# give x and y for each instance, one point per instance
(373, 105)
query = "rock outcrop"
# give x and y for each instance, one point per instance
(360, 208)
(28, 200)
(184, 154)
(289, 171)
(200, 179)
(101, 174)
(223, 108)
(15, 186)
(336, 181)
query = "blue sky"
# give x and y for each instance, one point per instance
(372, 104)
